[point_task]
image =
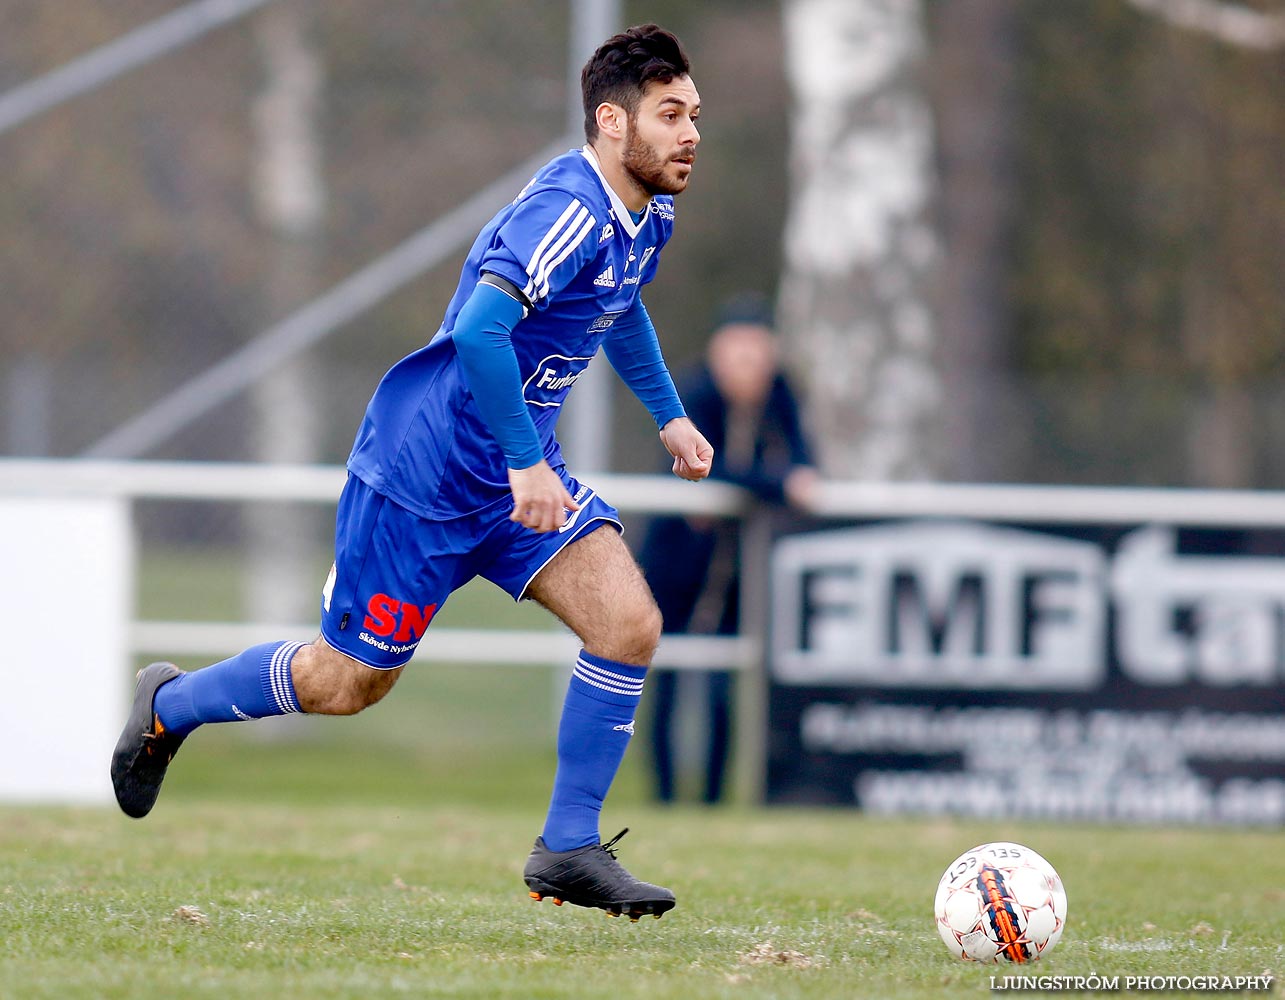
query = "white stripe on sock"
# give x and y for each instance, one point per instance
(605, 672)
(602, 673)
(606, 680)
(279, 676)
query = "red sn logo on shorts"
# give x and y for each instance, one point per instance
(385, 614)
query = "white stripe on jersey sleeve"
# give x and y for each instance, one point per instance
(569, 239)
(552, 234)
(540, 274)
(550, 266)
(557, 232)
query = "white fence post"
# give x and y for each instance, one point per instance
(66, 584)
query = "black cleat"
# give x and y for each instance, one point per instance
(591, 876)
(144, 749)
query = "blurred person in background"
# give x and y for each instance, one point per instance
(740, 398)
(456, 473)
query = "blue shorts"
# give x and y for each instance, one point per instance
(394, 570)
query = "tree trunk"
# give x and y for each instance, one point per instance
(284, 580)
(860, 246)
(975, 97)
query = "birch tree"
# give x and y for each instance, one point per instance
(860, 246)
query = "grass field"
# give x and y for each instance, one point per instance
(381, 856)
(213, 899)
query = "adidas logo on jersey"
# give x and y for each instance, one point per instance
(607, 279)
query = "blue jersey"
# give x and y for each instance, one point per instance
(572, 247)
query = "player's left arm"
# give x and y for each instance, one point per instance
(634, 352)
(693, 455)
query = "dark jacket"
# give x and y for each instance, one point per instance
(694, 561)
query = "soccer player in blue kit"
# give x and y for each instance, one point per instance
(456, 473)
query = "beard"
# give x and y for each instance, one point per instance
(647, 167)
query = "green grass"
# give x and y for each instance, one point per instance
(425, 899)
(381, 856)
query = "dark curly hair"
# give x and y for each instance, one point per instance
(623, 66)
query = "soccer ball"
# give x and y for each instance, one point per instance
(1000, 903)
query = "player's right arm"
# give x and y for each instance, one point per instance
(534, 254)
(483, 338)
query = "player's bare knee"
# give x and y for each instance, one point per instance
(348, 699)
(634, 635)
(650, 628)
(327, 682)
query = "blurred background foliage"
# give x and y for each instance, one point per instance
(1149, 248)
(1139, 264)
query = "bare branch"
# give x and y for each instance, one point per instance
(1230, 23)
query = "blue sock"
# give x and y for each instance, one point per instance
(597, 721)
(251, 685)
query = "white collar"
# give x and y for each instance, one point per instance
(623, 215)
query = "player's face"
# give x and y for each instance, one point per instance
(661, 146)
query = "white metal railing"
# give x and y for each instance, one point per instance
(322, 484)
(631, 493)
(306, 483)
(129, 481)
(665, 495)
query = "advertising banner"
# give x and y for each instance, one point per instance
(1085, 672)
